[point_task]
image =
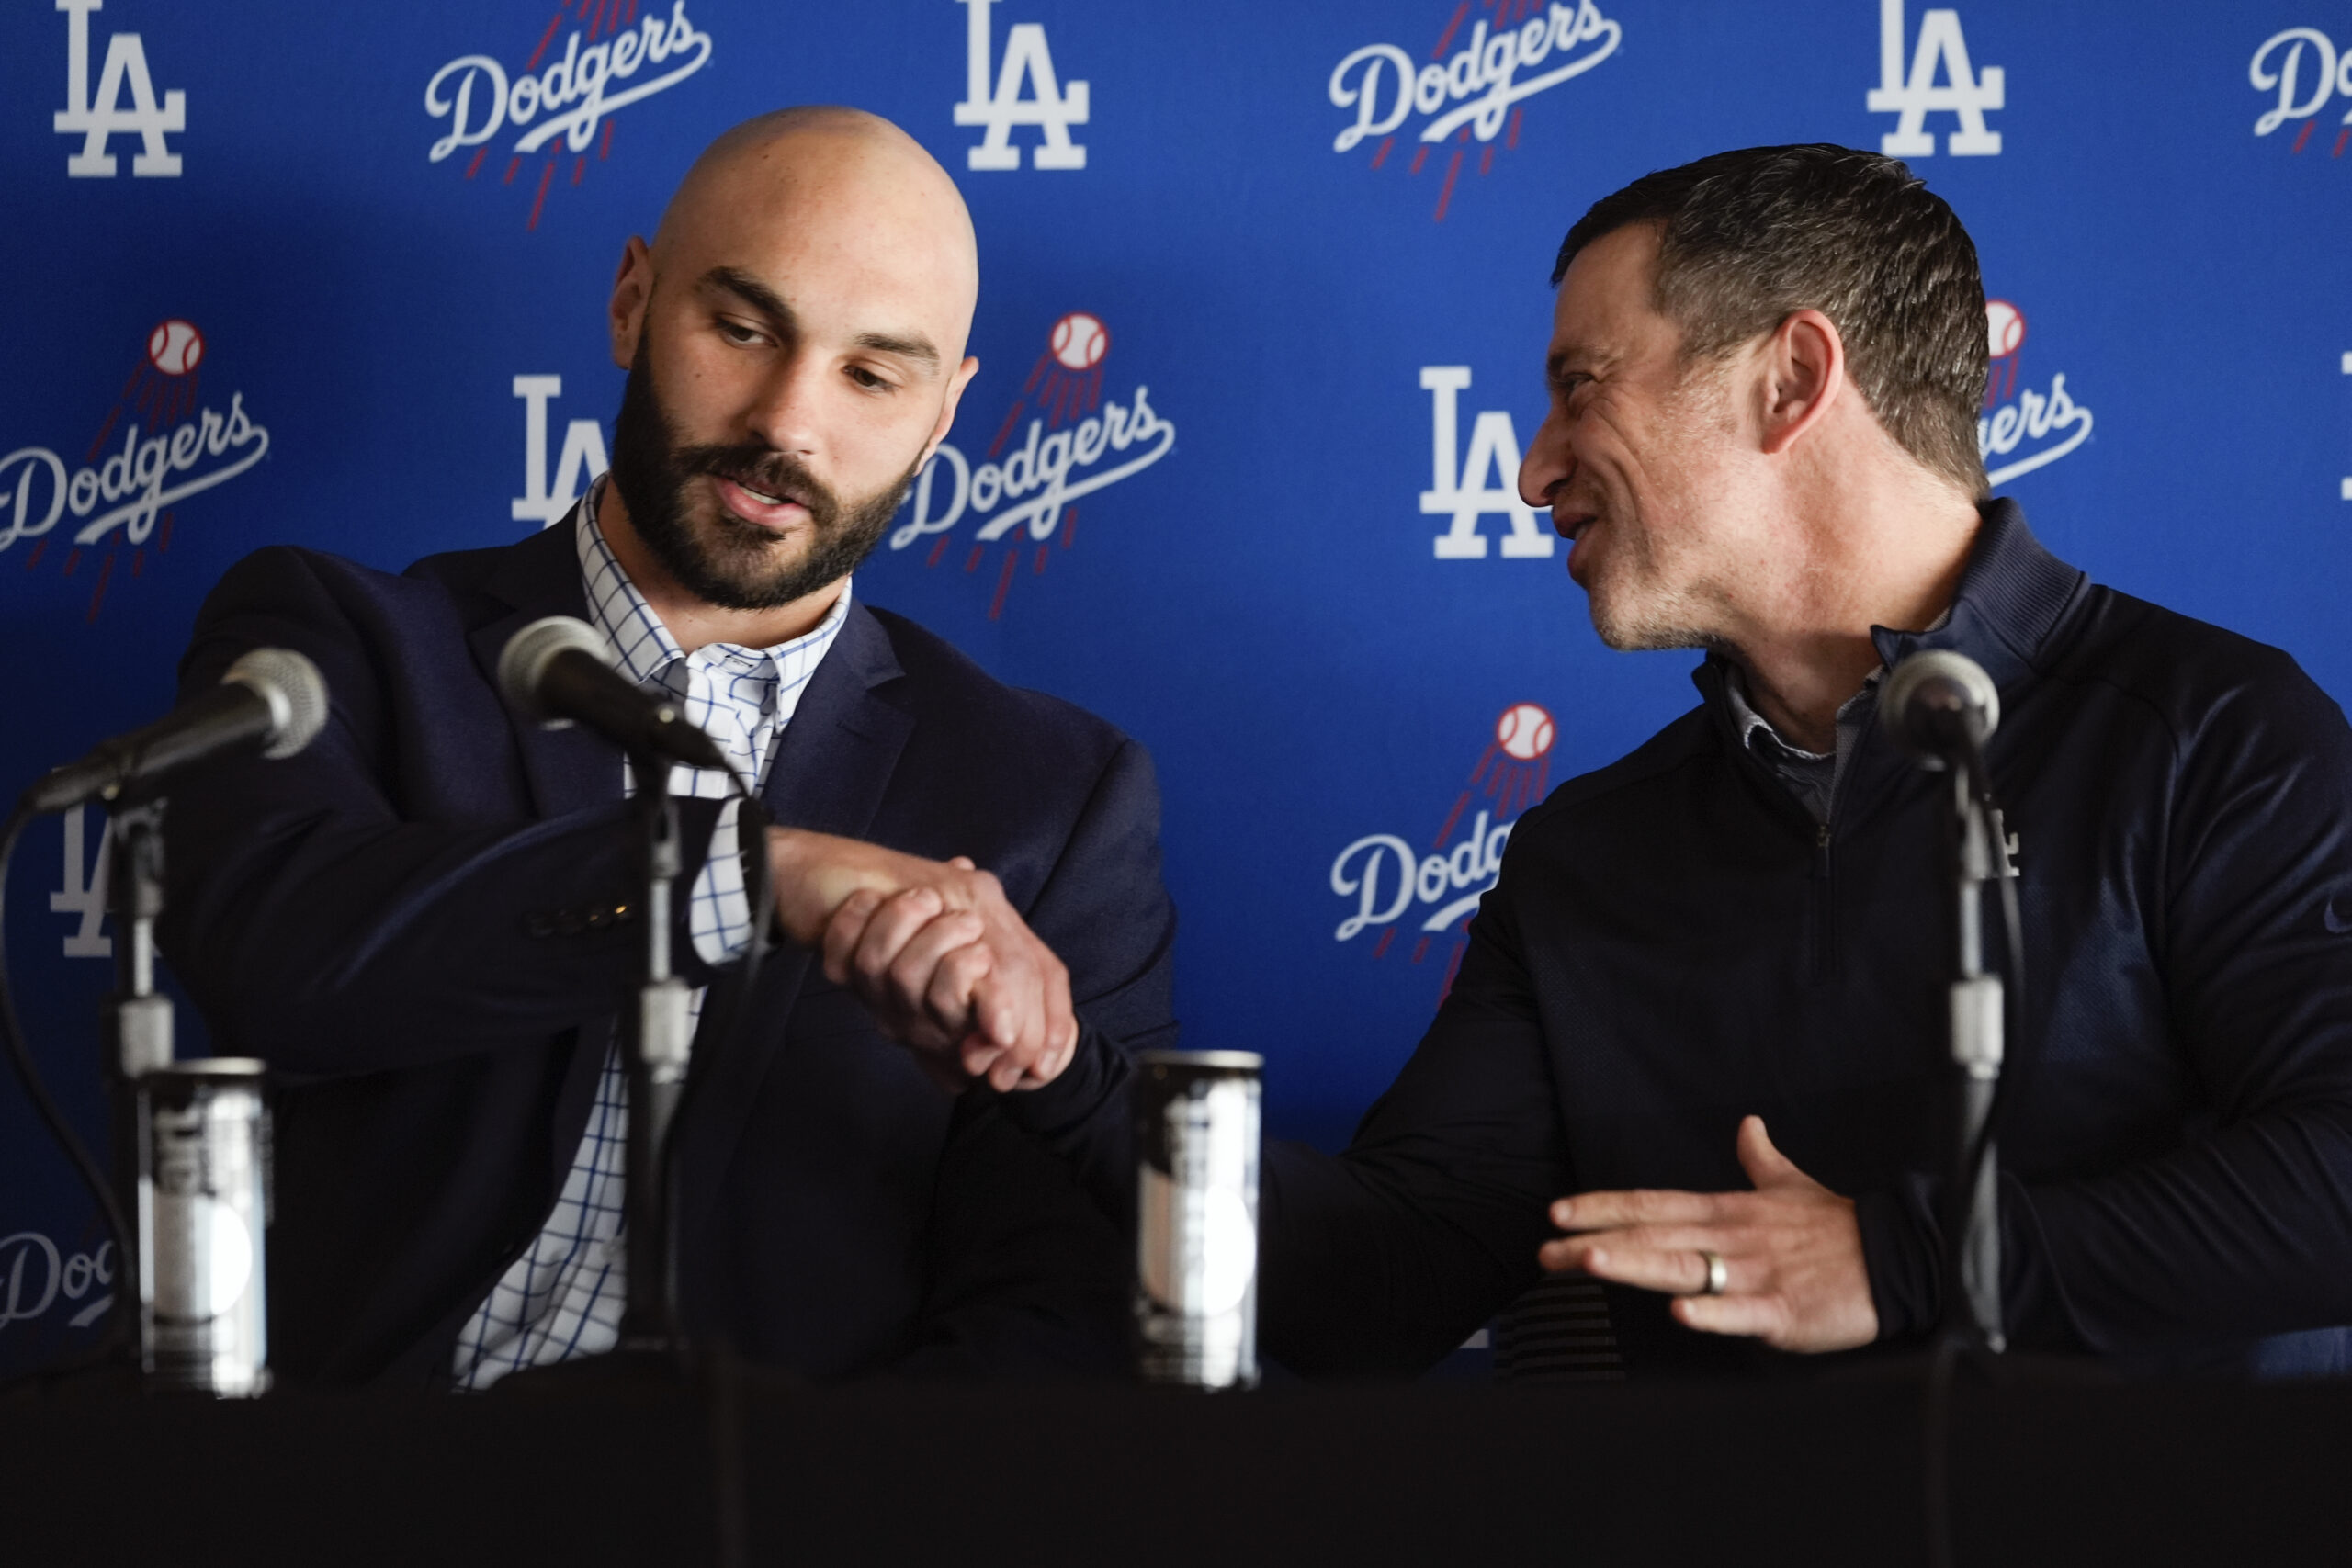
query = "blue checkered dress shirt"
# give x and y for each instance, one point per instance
(562, 1297)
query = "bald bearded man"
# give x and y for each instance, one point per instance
(423, 922)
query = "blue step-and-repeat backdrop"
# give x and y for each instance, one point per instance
(1260, 332)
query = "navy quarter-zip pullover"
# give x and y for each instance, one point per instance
(1676, 942)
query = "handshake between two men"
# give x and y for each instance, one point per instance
(948, 967)
(937, 952)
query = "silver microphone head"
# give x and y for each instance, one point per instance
(523, 661)
(1929, 689)
(296, 692)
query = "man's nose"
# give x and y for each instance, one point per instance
(786, 410)
(1547, 466)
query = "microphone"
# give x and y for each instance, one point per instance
(271, 697)
(559, 670)
(1941, 708)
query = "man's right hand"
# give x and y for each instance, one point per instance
(935, 951)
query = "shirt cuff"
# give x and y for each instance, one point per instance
(1902, 1252)
(1087, 1117)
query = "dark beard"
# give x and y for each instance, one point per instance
(725, 560)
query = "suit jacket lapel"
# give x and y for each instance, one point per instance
(832, 768)
(568, 770)
(838, 752)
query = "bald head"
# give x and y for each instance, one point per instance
(794, 339)
(850, 176)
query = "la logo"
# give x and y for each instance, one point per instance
(1966, 93)
(582, 460)
(1459, 488)
(126, 66)
(1051, 105)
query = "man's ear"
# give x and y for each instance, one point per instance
(955, 385)
(1803, 375)
(632, 293)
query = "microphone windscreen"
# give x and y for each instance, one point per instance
(523, 664)
(1909, 687)
(296, 692)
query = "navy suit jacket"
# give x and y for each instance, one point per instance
(362, 916)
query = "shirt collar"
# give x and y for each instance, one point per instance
(1746, 721)
(2013, 596)
(646, 650)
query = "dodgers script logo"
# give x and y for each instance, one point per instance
(1521, 48)
(607, 59)
(37, 1277)
(2301, 67)
(161, 444)
(1387, 884)
(1076, 442)
(2022, 429)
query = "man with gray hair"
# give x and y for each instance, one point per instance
(1695, 1057)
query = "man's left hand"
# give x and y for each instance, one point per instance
(1792, 1252)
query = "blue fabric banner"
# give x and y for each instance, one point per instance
(1263, 303)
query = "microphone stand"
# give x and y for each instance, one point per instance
(1977, 1051)
(658, 1041)
(1945, 731)
(138, 1036)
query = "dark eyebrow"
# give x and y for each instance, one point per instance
(752, 292)
(761, 297)
(1556, 363)
(917, 347)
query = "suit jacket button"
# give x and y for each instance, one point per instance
(571, 922)
(538, 923)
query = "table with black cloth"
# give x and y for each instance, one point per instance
(1818, 1472)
